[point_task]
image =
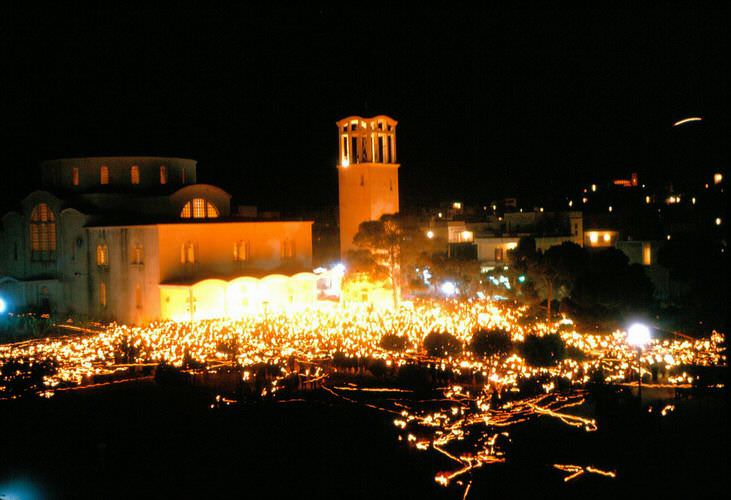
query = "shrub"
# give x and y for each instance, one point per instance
(393, 342)
(544, 351)
(442, 344)
(491, 342)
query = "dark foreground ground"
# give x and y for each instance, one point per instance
(142, 440)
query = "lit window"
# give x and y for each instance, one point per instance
(134, 174)
(646, 254)
(242, 251)
(104, 175)
(137, 253)
(717, 178)
(593, 237)
(42, 233)
(199, 208)
(102, 294)
(607, 237)
(163, 174)
(187, 253)
(102, 255)
(287, 249)
(75, 176)
(498, 254)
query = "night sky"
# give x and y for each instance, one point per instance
(503, 101)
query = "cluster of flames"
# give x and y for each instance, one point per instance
(314, 335)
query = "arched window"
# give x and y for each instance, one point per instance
(199, 208)
(103, 294)
(134, 174)
(42, 233)
(163, 174)
(104, 175)
(102, 255)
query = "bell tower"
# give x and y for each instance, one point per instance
(367, 173)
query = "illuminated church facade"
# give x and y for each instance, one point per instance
(136, 239)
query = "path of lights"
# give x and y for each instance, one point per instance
(469, 426)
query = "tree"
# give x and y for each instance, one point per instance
(548, 350)
(554, 271)
(385, 247)
(442, 344)
(611, 286)
(465, 273)
(491, 342)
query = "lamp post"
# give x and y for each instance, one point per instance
(638, 336)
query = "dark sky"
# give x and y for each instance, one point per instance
(494, 102)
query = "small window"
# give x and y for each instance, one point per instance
(646, 254)
(287, 249)
(134, 174)
(242, 251)
(362, 180)
(138, 296)
(102, 294)
(187, 253)
(102, 255)
(75, 176)
(498, 254)
(163, 174)
(137, 253)
(104, 175)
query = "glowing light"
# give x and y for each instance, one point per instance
(687, 120)
(648, 199)
(718, 223)
(594, 237)
(593, 188)
(430, 234)
(610, 208)
(717, 178)
(448, 288)
(457, 205)
(521, 278)
(638, 335)
(606, 237)
(3, 305)
(571, 203)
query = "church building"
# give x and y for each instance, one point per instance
(136, 239)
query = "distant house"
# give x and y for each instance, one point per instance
(135, 239)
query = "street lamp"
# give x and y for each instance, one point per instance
(638, 336)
